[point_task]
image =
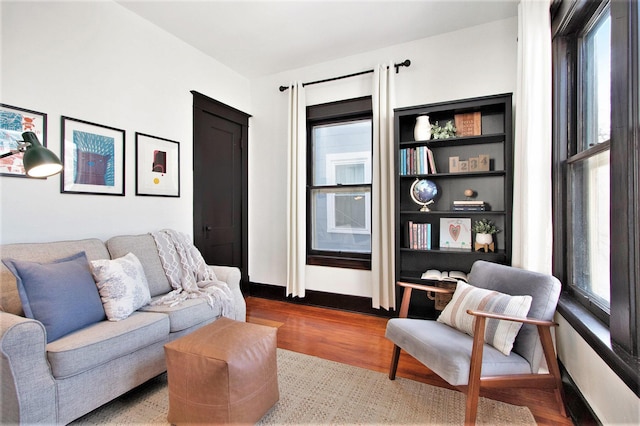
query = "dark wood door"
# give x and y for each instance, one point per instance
(220, 183)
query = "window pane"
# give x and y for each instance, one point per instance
(350, 173)
(596, 80)
(342, 220)
(342, 153)
(350, 211)
(590, 227)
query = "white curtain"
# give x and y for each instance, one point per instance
(382, 205)
(532, 224)
(296, 195)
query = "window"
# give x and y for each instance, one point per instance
(588, 169)
(339, 184)
(351, 212)
(596, 176)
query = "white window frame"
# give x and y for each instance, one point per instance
(348, 159)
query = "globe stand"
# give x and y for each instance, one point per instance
(424, 206)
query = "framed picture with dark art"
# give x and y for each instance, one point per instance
(157, 166)
(13, 122)
(93, 158)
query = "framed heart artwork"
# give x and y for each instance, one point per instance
(455, 233)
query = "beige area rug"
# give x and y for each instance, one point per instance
(315, 391)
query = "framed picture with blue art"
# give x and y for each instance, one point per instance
(157, 166)
(13, 122)
(93, 158)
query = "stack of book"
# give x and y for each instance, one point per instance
(419, 236)
(469, 206)
(417, 161)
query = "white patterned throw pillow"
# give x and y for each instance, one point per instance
(498, 333)
(122, 285)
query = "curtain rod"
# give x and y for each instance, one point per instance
(405, 63)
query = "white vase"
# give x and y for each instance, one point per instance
(422, 130)
(484, 238)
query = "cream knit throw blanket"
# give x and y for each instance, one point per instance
(189, 275)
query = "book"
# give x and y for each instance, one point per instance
(419, 236)
(469, 208)
(432, 161)
(468, 124)
(416, 161)
(468, 203)
(452, 276)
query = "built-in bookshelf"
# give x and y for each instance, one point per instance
(478, 158)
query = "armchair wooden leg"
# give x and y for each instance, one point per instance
(552, 364)
(475, 370)
(394, 362)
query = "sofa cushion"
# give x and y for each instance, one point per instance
(41, 252)
(61, 295)
(498, 333)
(122, 285)
(144, 248)
(105, 341)
(187, 313)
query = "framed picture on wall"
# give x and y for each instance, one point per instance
(13, 122)
(157, 166)
(93, 158)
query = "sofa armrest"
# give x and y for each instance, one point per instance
(231, 275)
(228, 274)
(28, 393)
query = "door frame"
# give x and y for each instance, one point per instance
(211, 106)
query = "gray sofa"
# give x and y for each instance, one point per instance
(60, 381)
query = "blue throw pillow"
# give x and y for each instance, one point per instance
(62, 295)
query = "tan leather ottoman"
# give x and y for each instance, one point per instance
(224, 372)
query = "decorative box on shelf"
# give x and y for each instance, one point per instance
(468, 124)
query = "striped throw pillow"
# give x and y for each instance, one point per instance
(498, 333)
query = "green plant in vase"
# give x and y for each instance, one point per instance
(484, 226)
(484, 230)
(446, 132)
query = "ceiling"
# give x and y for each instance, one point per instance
(258, 38)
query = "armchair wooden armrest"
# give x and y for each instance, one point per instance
(532, 321)
(408, 287)
(551, 380)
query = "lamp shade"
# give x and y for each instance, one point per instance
(39, 161)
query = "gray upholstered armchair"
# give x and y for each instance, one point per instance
(484, 360)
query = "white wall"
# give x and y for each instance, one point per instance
(101, 63)
(611, 400)
(472, 62)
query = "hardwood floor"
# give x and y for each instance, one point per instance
(358, 339)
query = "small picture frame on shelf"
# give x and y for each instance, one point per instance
(455, 233)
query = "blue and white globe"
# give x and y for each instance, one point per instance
(423, 192)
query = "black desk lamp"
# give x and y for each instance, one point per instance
(38, 161)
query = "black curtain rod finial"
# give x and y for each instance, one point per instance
(406, 63)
